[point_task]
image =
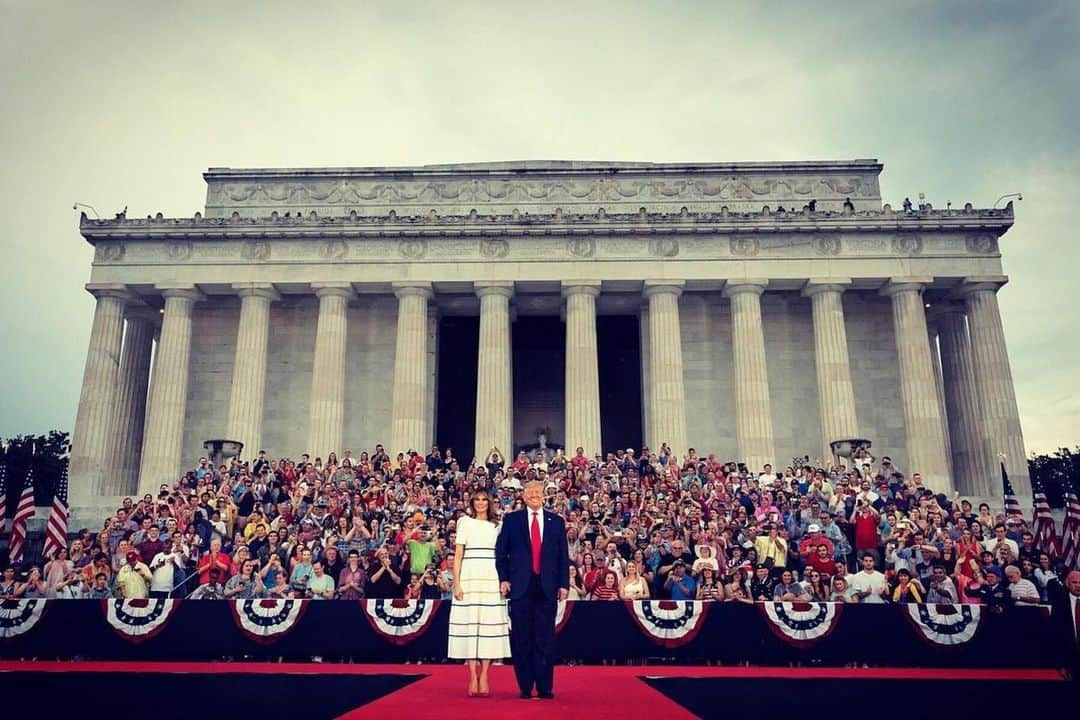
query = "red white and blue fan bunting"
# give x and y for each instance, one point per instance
(562, 615)
(139, 619)
(669, 623)
(399, 621)
(801, 624)
(19, 616)
(947, 625)
(267, 621)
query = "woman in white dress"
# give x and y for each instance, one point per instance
(479, 623)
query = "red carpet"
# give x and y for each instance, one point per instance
(392, 691)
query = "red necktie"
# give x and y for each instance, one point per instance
(535, 536)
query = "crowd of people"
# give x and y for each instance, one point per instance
(645, 524)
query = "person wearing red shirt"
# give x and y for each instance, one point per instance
(579, 461)
(810, 543)
(866, 529)
(215, 566)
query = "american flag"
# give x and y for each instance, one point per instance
(1070, 527)
(56, 530)
(23, 512)
(1012, 505)
(3, 493)
(1043, 520)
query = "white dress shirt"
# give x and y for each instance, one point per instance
(539, 519)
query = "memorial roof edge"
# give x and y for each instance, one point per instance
(546, 167)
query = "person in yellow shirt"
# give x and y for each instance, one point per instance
(772, 546)
(133, 580)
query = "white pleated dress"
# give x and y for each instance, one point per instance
(479, 624)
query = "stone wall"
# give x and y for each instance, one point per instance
(369, 373)
(789, 346)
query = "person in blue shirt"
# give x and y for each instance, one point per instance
(679, 584)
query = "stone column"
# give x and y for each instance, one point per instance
(994, 383)
(939, 385)
(167, 406)
(667, 397)
(246, 398)
(132, 389)
(326, 424)
(92, 439)
(836, 395)
(432, 411)
(646, 378)
(582, 368)
(410, 422)
(753, 412)
(494, 381)
(972, 466)
(918, 393)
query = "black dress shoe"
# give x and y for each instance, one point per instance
(546, 695)
(525, 696)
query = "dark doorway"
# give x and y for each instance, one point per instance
(618, 344)
(459, 341)
(539, 381)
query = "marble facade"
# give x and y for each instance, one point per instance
(782, 306)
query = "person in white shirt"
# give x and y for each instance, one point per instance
(999, 543)
(869, 585)
(1022, 589)
(164, 566)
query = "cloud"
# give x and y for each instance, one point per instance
(125, 104)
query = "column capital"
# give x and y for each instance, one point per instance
(980, 283)
(412, 289)
(945, 307)
(334, 289)
(754, 286)
(815, 286)
(496, 287)
(580, 287)
(119, 291)
(253, 289)
(663, 287)
(140, 312)
(909, 283)
(188, 292)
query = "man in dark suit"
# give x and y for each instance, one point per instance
(533, 562)
(1065, 617)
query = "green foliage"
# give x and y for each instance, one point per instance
(1054, 470)
(47, 454)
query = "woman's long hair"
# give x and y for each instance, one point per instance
(493, 509)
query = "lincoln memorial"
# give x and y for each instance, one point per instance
(757, 311)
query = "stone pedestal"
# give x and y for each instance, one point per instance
(918, 390)
(753, 412)
(582, 369)
(410, 422)
(972, 465)
(667, 397)
(326, 424)
(92, 439)
(132, 390)
(993, 378)
(167, 406)
(836, 395)
(494, 381)
(247, 395)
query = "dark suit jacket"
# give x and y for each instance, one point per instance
(513, 554)
(1061, 620)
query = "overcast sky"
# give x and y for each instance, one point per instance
(116, 104)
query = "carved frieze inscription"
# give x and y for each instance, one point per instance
(459, 196)
(546, 248)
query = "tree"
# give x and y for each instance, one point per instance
(47, 454)
(1053, 470)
